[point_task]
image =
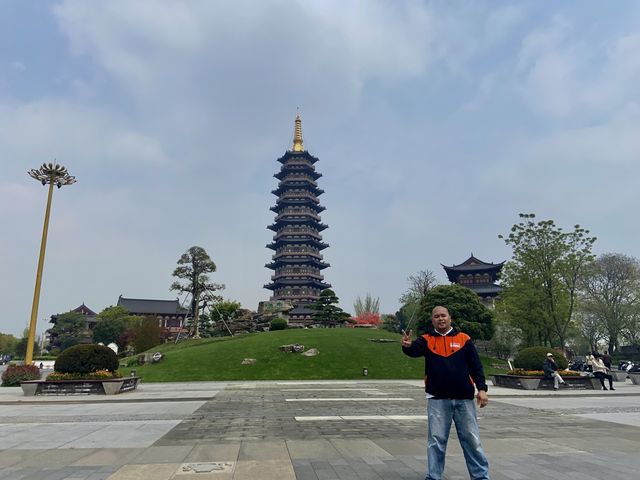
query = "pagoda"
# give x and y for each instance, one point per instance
(297, 243)
(479, 276)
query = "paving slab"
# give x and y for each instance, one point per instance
(333, 430)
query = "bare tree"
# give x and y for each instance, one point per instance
(419, 285)
(611, 293)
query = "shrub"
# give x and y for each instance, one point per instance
(278, 324)
(14, 374)
(86, 359)
(532, 358)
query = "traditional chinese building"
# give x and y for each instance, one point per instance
(297, 243)
(169, 313)
(479, 276)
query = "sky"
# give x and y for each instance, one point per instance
(436, 124)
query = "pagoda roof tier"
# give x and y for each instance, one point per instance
(486, 290)
(297, 283)
(282, 222)
(281, 205)
(308, 241)
(302, 234)
(296, 197)
(277, 255)
(304, 260)
(308, 184)
(305, 275)
(472, 265)
(291, 170)
(290, 156)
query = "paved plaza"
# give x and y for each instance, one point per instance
(309, 431)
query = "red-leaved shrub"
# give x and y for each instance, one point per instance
(14, 374)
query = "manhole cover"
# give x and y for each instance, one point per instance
(205, 467)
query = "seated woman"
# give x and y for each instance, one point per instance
(599, 370)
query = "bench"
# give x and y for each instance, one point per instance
(111, 386)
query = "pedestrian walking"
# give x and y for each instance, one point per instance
(453, 372)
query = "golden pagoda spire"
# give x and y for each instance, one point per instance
(297, 136)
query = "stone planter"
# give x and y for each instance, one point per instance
(619, 375)
(516, 381)
(635, 378)
(522, 382)
(80, 387)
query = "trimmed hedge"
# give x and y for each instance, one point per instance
(278, 324)
(15, 374)
(86, 359)
(532, 358)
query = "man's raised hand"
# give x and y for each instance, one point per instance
(406, 338)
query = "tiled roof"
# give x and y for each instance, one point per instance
(148, 306)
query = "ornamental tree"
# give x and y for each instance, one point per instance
(326, 310)
(194, 267)
(544, 272)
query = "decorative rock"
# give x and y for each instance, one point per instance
(293, 348)
(249, 361)
(312, 352)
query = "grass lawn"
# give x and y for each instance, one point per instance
(343, 354)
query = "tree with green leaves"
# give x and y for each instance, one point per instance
(21, 345)
(8, 344)
(545, 269)
(326, 310)
(111, 325)
(610, 294)
(146, 334)
(70, 329)
(468, 313)
(194, 267)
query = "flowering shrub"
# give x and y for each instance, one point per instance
(367, 318)
(15, 374)
(98, 375)
(539, 373)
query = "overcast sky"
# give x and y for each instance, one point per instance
(435, 123)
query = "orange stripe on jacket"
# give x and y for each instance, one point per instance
(446, 345)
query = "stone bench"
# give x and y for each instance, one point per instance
(111, 386)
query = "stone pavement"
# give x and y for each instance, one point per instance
(309, 431)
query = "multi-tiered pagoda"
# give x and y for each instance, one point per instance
(297, 262)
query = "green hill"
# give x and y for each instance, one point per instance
(344, 352)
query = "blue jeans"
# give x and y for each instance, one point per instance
(440, 412)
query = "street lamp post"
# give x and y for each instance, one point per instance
(52, 174)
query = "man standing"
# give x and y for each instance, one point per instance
(451, 363)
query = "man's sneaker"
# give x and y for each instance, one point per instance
(604, 388)
(611, 388)
(555, 388)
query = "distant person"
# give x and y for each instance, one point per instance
(453, 372)
(606, 359)
(600, 371)
(41, 365)
(550, 368)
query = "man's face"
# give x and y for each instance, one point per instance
(441, 319)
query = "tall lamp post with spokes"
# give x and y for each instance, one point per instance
(52, 174)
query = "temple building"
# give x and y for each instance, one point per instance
(170, 314)
(297, 243)
(479, 276)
